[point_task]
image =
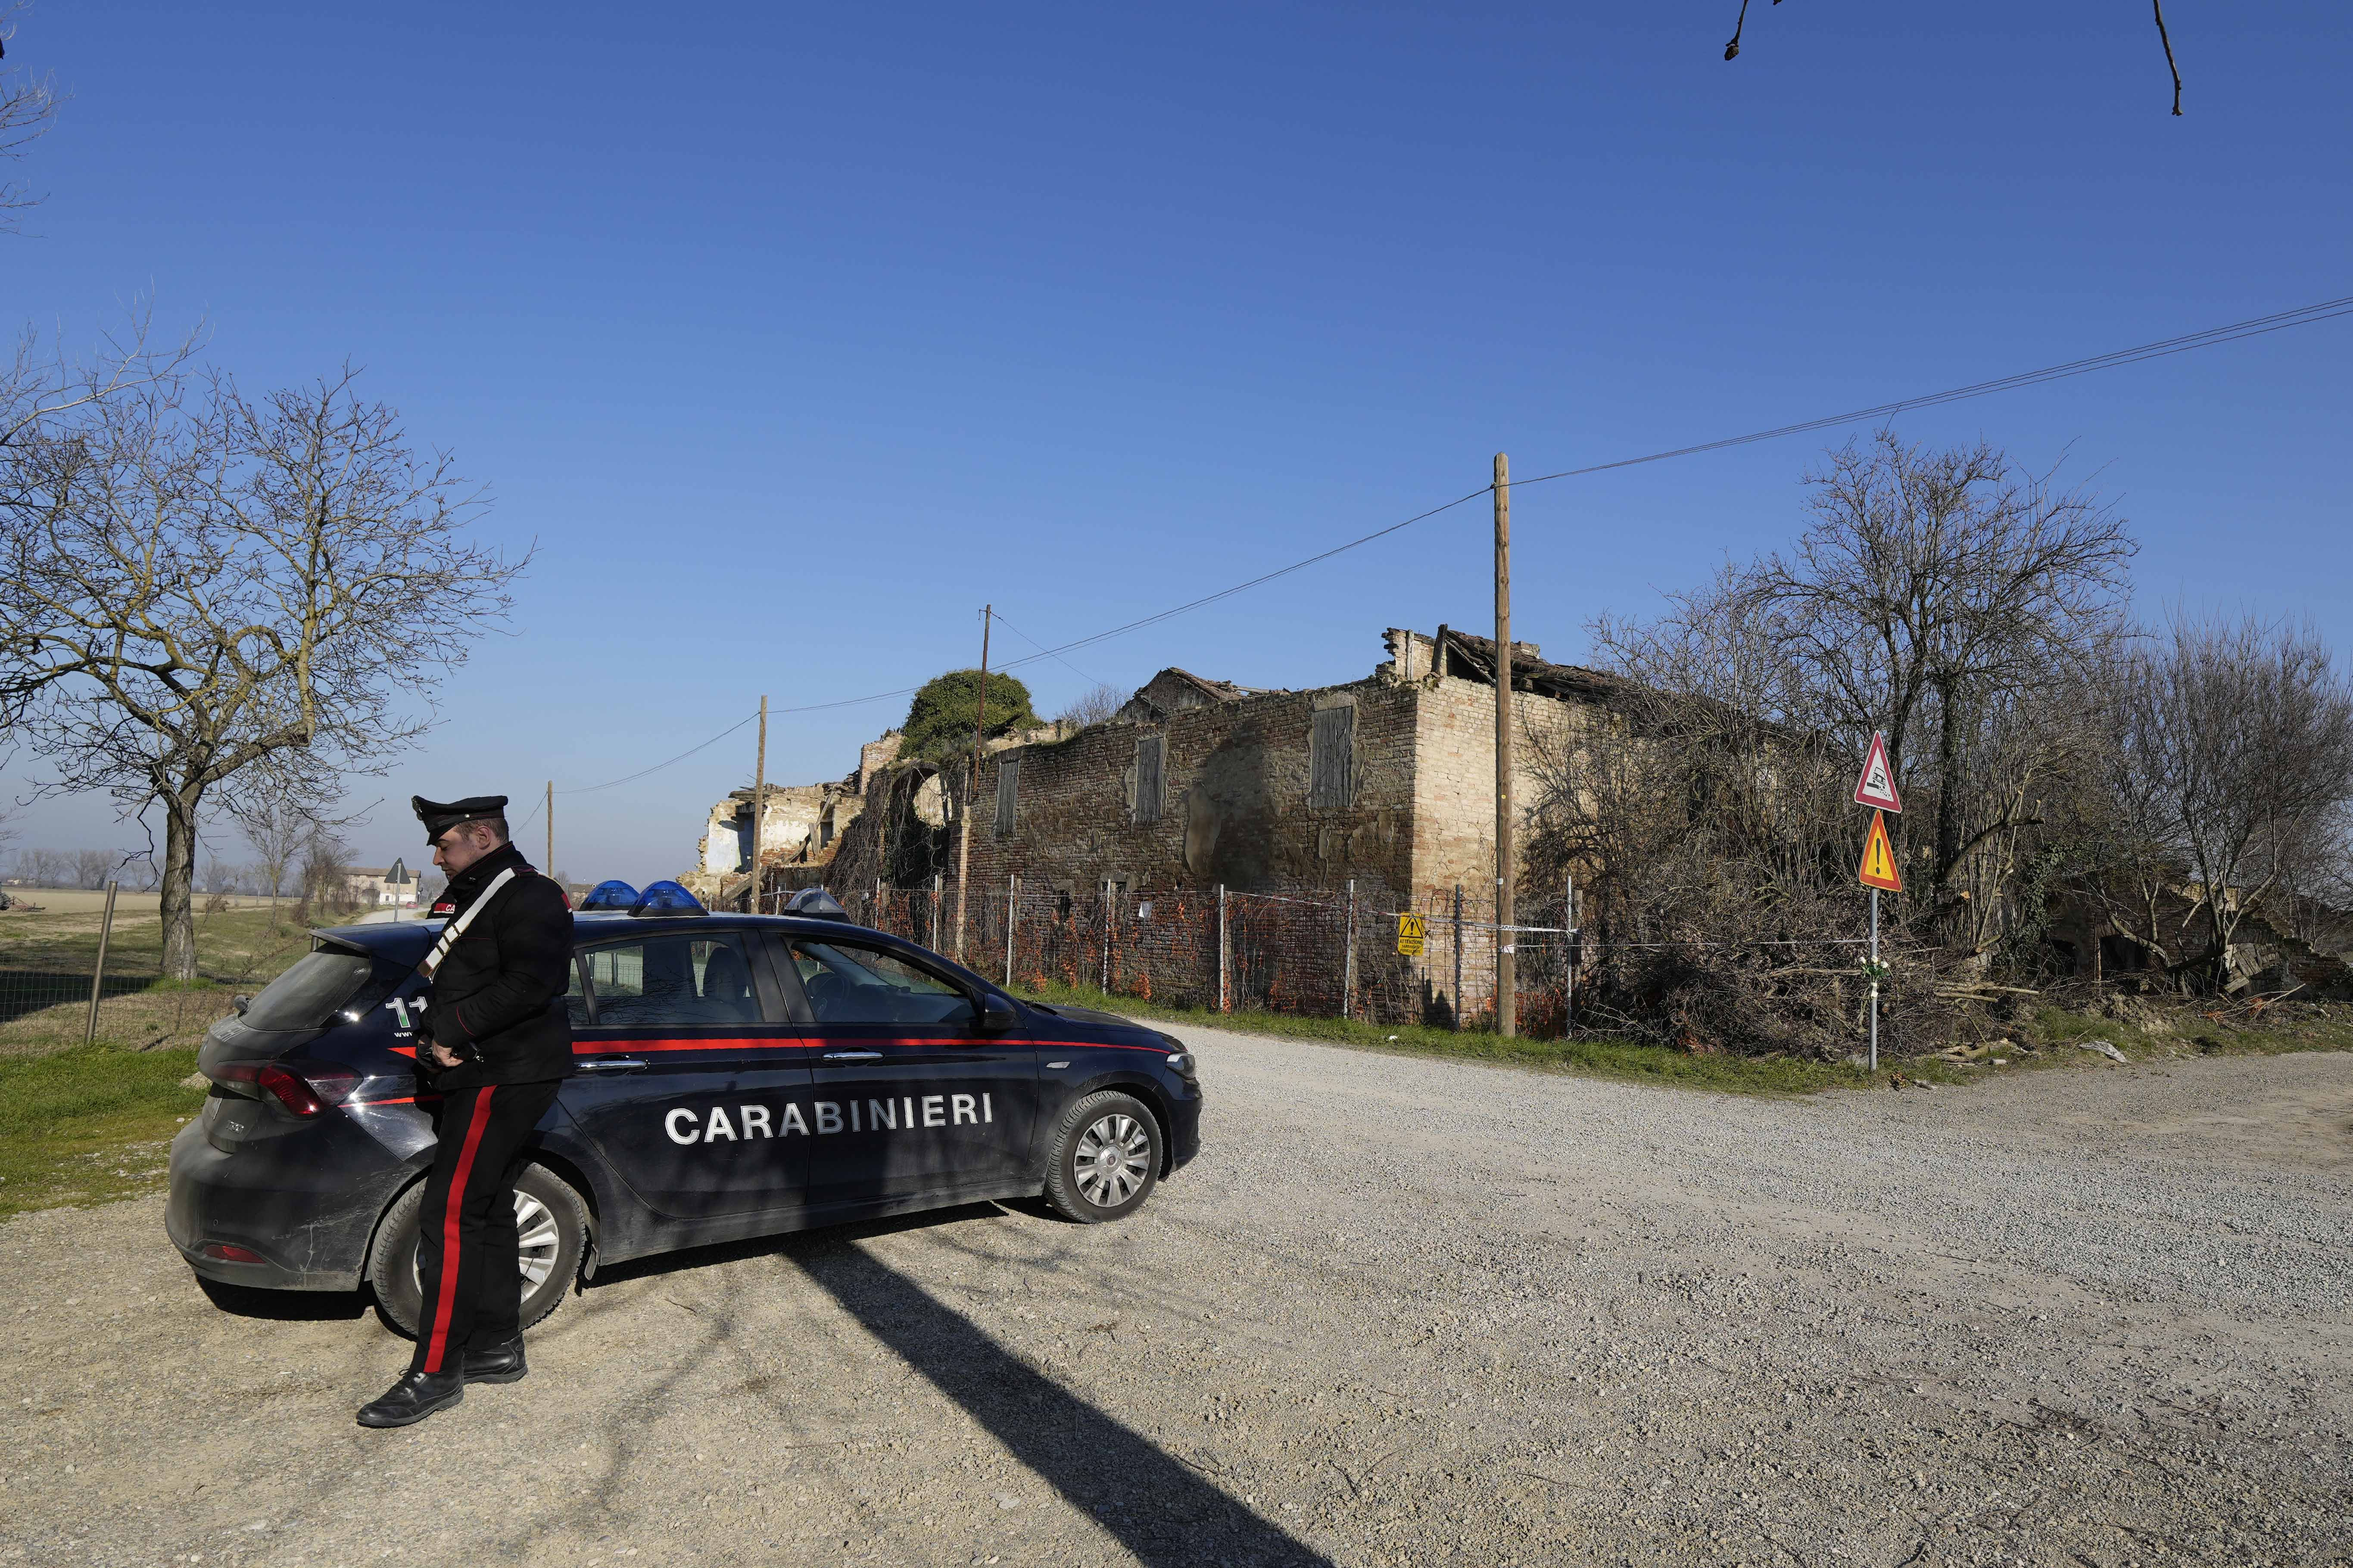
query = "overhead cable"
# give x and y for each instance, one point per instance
(2255, 326)
(2304, 316)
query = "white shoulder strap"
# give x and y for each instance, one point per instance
(456, 926)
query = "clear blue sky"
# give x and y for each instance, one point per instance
(793, 334)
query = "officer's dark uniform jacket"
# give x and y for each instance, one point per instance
(497, 997)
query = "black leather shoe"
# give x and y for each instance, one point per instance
(499, 1363)
(414, 1397)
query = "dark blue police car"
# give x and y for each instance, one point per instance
(737, 1076)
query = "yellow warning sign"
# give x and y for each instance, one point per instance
(1413, 931)
(1878, 868)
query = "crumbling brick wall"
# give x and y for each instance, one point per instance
(1236, 803)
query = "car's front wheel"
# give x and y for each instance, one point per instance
(551, 1231)
(1106, 1158)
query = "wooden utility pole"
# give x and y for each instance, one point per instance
(759, 790)
(971, 804)
(1507, 974)
(550, 866)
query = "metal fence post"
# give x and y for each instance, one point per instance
(1458, 953)
(1012, 911)
(1106, 936)
(1348, 967)
(939, 885)
(1568, 959)
(98, 973)
(1225, 1002)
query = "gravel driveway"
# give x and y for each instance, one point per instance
(1401, 1312)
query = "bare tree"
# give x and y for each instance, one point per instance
(1706, 823)
(1097, 705)
(91, 868)
(203, 590)
(326, 878)
(28, 106)
(278, 813)
(2231, 766)
(1946, 591)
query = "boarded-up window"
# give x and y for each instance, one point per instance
(1148, 753)
(1330, 757)
(1008, 792)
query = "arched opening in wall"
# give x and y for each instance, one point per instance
(918, 841)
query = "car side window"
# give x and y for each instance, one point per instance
(847, 983)
(673, 978)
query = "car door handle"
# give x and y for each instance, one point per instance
(612, 1064)
(853, 1056)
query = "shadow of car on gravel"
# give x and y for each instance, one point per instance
(1164, 1511)
(284, 1306)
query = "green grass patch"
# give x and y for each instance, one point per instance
(1630, 1061)
(90, 1125)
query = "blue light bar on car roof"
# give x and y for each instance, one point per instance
(668, 898)
(612, 895)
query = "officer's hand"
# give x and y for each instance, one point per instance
(440, 1055)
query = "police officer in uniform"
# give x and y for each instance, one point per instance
(494, 1045)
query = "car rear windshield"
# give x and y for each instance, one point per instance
(308, 994)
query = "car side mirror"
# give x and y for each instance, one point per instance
(997, 1015)
(240, 1003)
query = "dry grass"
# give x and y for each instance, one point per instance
(45, 967)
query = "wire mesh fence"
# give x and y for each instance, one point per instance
(47, 985)
(1436, 962)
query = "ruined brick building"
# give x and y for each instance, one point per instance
(1195, 782)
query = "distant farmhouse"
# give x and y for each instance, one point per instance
(392, 886)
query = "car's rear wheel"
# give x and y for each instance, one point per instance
(552, 1231)
(1106, 1158)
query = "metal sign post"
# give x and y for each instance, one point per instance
(1876, 789)
(1877, 872)
(1875, 980)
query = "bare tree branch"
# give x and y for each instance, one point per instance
(2162, 38)
(28, 106)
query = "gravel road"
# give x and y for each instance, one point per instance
(1401, 1312)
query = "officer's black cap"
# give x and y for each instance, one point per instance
(441, 816)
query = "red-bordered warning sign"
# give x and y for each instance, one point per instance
(1876, 788)
(1878, 868)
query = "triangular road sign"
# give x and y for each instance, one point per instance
(1877, 786)
(1878, 868)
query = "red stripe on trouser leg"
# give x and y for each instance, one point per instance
(451, 1203)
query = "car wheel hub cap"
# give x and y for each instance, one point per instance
(1113, 1158)
(537, 1243)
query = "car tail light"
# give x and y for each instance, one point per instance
(229, 1252)
(308, 1092)
(235, 1072)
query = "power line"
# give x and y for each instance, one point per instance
(2303, 316)
(2255, 326)
(631, 778)
(2210, 337)
(1255, 582)
(1043, 651)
